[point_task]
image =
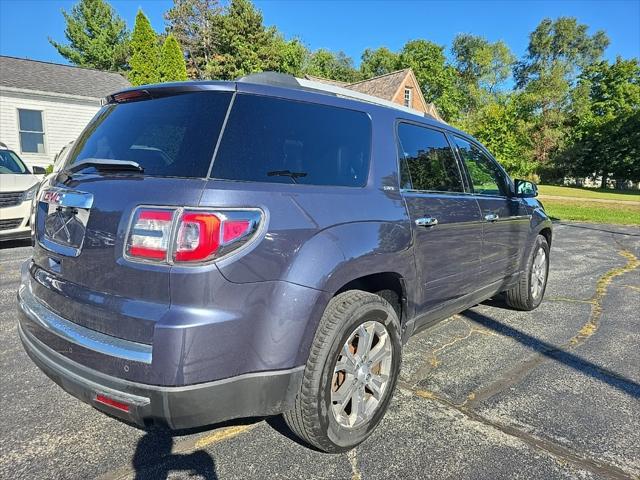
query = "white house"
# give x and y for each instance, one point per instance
(44, 106)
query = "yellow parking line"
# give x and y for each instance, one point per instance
(221, 435)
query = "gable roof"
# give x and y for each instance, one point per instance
(53, 77)
(384, 86)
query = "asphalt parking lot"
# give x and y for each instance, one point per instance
(490, 393)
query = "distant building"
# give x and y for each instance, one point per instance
(400, 87)
(44, 106)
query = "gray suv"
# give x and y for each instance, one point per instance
(214, 250)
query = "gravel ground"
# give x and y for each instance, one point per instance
(490, 393)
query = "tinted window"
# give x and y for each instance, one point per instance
(487, 178)
(274, 140)
(426, 160)
(170, 136)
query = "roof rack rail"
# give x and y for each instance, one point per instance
(284, 80)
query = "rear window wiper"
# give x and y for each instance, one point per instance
(287, 173)
(105, 164)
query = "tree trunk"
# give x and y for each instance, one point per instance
(604, 180)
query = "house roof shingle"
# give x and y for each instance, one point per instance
(53, 77)
(384, 86)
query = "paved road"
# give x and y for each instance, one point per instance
(490, 393)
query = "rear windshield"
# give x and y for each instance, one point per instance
(171, 136)
(269, 139)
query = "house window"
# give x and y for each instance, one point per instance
(31, 131)
(408, 97)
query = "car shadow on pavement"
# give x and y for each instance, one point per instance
(597, 229)
(153, 458)
(548, 350)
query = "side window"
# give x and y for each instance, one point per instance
(271, 139)
(426, 160)
(487, 178)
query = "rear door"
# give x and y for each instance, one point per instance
(446, 220)
(505, 218)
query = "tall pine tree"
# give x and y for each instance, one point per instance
(172, 65)
(97, 37)
(145, 53)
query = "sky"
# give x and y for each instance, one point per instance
(352, 25)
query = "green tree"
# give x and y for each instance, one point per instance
(145, 54)
(172, 66)
(378, 62)
(483, 67)
(500, 126)
(290, 56)
(97, 37)
(436, 77)
(191, 22)
(335, 66)
(558, 50)
(242, 44)
(562, 42)
(605, 138)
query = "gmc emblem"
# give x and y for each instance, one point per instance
(52, 197)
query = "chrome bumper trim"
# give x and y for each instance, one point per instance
(77, 334)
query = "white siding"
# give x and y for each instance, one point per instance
(63, 119)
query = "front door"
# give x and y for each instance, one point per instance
(447, 228)
(506, 218)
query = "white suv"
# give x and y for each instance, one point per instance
(18, 185)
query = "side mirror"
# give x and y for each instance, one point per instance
(526, 189)
(38, 170)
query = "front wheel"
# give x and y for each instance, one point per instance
(529, 291)
(351, 373)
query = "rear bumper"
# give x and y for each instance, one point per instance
(249, 395)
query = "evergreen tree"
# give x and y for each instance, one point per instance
(172, 65)
(242, 44)
(97, 37)
(191, 22)
(145, 55)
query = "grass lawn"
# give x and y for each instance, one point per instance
(597, 212)
(581, 192)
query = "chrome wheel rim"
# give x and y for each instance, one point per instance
(538, 273)
(361, 374)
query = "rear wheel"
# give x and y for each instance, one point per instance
(529, 291)
(351, 372)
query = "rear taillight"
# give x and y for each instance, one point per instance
(150, 234)
(187, 236)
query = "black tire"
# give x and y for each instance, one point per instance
(312, 419)
(520, 297)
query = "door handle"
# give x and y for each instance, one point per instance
(491, 217)
(426, 222)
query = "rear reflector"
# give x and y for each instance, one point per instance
(123, 407)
